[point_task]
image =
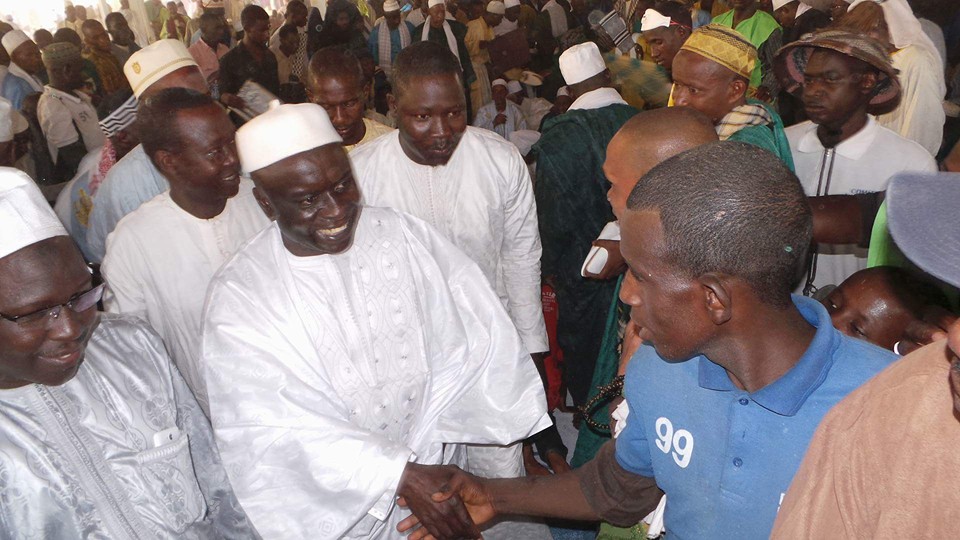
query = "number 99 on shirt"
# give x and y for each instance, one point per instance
(678, 443)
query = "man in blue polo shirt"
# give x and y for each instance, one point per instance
(735, 374)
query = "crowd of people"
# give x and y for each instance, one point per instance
(333, 274)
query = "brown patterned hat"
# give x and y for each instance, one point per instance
(725, 46)
(791, 63)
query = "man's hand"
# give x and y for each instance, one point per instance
(461, 486)
(500, 119)
(233, 100)
(446, 518)
(615, 264)
(932, 326)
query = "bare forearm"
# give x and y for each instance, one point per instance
(557, 496)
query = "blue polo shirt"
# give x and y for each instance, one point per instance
(723, 456)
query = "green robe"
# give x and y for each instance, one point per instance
(572, 207)
(756, 29)
(770, 137)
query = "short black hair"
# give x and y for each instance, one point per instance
(423, 59)
(157, 117)
(677, 12)
(731, 208)
(335, 61)
(112, 102)
(67, 35)
(251, 14)
(293, 5)
(114, 15)
(210, 17)
(286, 30)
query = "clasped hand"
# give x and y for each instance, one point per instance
(447, 503)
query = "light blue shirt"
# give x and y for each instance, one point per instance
(723, 456)
(373, 43)
(15, 89)
(131, 182)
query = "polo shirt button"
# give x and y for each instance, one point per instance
(737, 462)
(744, 401)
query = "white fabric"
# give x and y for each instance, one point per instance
(151, 63)
(597, 99)
(511, 3)
(524, 140)
(654, 19)
(142, 31)
(119, 451)
(416, 17)
(496, 7)
(66, 118)
(803, 9)
(499, 82)
(558, 18)
(935, 33)
(32, 80)
(505, 27)
(920, 116)
(432, 3)
(482, 201)
(283, 131)
(580, 62)
(327, 374)
(563, 91)
(448, 33)
(902, 24)
(534, 109)
(863, 163)
(390, 6)
(488, 113)
(13, 39)
(6, 121)
(777, 4)
(385, 43)
(25, 216)
(513, 87)
(3, 74)
(145, 262)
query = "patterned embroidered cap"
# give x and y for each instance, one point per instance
(724, 46)
(791, 63)
(59, 54)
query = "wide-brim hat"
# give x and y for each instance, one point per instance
(791, 63)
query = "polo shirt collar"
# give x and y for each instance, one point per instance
(787, 394)
(61, 94)
(853, 148)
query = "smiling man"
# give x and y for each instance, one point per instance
(720, 414)
(99, 435)
(162, 256)
(346, 348)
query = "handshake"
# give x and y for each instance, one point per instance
(447, 503)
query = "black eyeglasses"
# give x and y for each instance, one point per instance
(79, 303)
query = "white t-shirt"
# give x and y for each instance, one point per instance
(65, 118)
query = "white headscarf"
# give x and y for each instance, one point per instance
(25, 216)
(905, 29)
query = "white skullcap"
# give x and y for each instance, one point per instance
(391, 5)
(25, 215)
(524, 139)
(580, 62)
(513, 87)
(653, 19)
(6, 121)
(496, 7)
(511, 3)
(281, 132)
(563, 91)
(777, 4)
(432, 3)
(499, 82)
(13, 39)
(151, 63)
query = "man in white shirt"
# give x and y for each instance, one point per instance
(534, 109)
(67, 116)
(99, 436)
(161, 256)
(347, 347)
(25, 64)
(842, 77)
(335, 82)
(134, 180)
(501, 115)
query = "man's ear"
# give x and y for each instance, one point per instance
(265, 205)
(738, 88)
(868, 83)
(716, 297)
(165, 161)
(391, 102)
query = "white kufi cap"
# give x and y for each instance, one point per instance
(496, 7)
(499, 82)
(432, 3)
(281, 132)
(653, 19)
(6, 121)
(391, 6)
(25, 216)
(777, 4)
(513, 87)
(151, 63)
(511, 3)
(580, 62)
(14, 39)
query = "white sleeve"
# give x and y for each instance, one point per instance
(56, 123)
(121, 272)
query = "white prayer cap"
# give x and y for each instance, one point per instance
(14, 39)
(513, 87)
(496, 7)
(6, 121)
(391, 5)
(653, 19)
(499, 82)
(563, 91)
(151, 63)
(511, 3)
(432, 3)
(25, 216)
(281, 132)
(580, 62)
(777, 4)
(524, 139)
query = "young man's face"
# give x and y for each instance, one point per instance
(787, 14)
(259, 31)
(698, 84)
(120, 31)
(866, 307)
(437, 15)
(212, 30)
(832, 90)
(664, 44)
(207, 168)
(393, 19)
(27, 56)
(96, 38)
(290, 43)
(343, 99)
(431, 117)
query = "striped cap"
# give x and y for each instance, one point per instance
(121, 118)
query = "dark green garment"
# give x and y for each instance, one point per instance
(770, 137)
(572, 206)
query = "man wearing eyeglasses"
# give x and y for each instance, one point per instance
(99, 435)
